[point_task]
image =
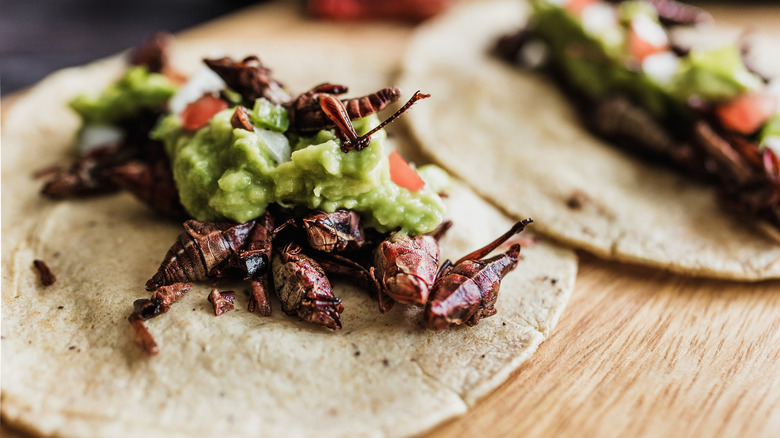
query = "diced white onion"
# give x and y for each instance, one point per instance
(649, 31)
(661, 67)
(533, 54)
(773, 143)
(92, 136)
(204, 81)
(277, 144)
(774, 89)
(598, 17)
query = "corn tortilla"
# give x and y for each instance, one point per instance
(516, 140)
(70, 367)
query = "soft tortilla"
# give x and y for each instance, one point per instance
(514, 138)
(70, 368)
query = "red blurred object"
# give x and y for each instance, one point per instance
(748, 112)
(641, 48)
(403, 174)
(198, 113)
(575, 7)
(407, 10)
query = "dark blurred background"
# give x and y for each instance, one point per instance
(40, 36)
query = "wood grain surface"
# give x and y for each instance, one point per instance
(638, 352)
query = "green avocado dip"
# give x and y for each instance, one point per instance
(137, 90)
(231, 173)
(607, 49)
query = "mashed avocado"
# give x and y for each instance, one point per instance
(716, 74)
(770, 135)
(227, 173)
(592, 51)
(136, 91)
(594, 59)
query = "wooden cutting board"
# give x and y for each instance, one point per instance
(638, 352)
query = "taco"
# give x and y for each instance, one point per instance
(70, 366)
(519, 140)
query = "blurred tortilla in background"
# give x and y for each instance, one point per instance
(512, 135)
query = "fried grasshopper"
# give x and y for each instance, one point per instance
(255, 261)
(337, 231)
(406, 266)
(249, 78)
(153, 53)
(151, 183)
(338, 265)
(129, 159)
(87, 175)
(222, 301)
(319, 108)
(466, 291)
(208, 250)
(303, 288)
(160, 301)
(672, 12)
(202, 251)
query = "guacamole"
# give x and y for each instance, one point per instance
(227, 173)
(136, 91)
(592, 50)
(770, 135)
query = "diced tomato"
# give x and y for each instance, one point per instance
(575, 7)
(641, 47)
(748, 112)
(403, 174)
(198, 113)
